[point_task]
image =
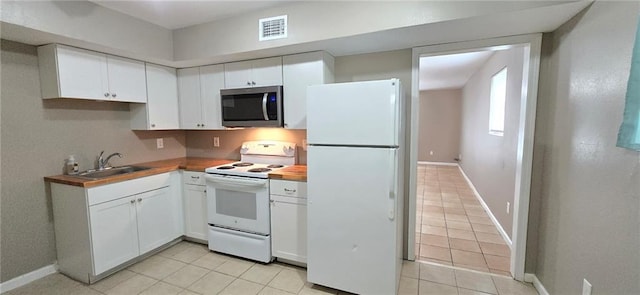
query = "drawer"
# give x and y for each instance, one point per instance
(197, 178)
(288, 188)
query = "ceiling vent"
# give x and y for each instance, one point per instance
(272, 28)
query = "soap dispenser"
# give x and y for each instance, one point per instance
(71, 166)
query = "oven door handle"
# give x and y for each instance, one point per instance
(237, 182)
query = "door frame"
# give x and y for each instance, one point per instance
(524, 161)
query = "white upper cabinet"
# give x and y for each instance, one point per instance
(68, 72)
(211, 81)
(199, 96)
(161, 110)
(300, 71)
(127, 80)
(253, 73)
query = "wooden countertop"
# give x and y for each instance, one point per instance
(158, 167)
(296, 173)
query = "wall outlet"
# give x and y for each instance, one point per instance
(586, 287)
(159, 143)
(216, 141)
(430, 153)
(508, 207)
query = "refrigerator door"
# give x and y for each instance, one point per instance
(354, 242)
(359, 113)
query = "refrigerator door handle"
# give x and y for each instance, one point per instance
(264, 106)
(392, 184)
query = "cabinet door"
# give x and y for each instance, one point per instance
(211, 81)
(289, 228)
(82, 73)
(126, 79)
(156, 219)
(195, 211)
(189, 98)
(266, 72)
(114, 235)
(162, 104)
(237, 74)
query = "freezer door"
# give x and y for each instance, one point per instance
(353, 240)
(359, 113)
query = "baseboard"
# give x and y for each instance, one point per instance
(501, 230)
(27, 278)
(532, 278)
(437, 163)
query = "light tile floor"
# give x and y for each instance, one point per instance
(452, 228)
(189, 268)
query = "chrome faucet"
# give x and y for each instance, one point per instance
(104, 163)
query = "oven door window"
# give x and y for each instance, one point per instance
(236, 204)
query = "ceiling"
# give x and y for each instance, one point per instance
(177, 14)
(450, 71)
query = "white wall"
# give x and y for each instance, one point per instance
(87, 25)
(589, 189)
(489, 160)
(313, 21)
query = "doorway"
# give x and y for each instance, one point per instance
(447, 179)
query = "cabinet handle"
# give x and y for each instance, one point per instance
(153, 125)
(195, 177)
(289, 190)
(248, 83)
(106, 94)
(272, 201)
(205, 191)
(202, 125)
(253, 82)
(139, 200)
(114, 95)
(133, 201)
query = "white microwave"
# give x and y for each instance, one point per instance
(252, 107)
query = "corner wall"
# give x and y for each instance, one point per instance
(589, 195)
(37, 135)
(440, 118)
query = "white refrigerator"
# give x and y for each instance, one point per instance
(354, 179)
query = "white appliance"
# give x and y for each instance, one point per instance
(238, 199)
(354, 180)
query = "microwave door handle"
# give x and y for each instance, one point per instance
(264, 106)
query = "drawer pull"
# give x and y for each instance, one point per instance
(289, 190)
(195, 177)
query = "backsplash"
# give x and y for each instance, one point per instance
(200, 143)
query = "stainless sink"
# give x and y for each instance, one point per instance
(112, 171)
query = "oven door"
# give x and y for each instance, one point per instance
(240, 203)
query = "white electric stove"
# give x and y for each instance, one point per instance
(238, 199)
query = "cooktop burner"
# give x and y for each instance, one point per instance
(225, 167)
(275, 166)
(259, 170)
(242, 164)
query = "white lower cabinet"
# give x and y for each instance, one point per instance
(114, 234)
(289, 220)
(100, 228)
(195, 206)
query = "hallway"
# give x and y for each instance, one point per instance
(452, 228)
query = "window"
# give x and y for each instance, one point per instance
(497, 102)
